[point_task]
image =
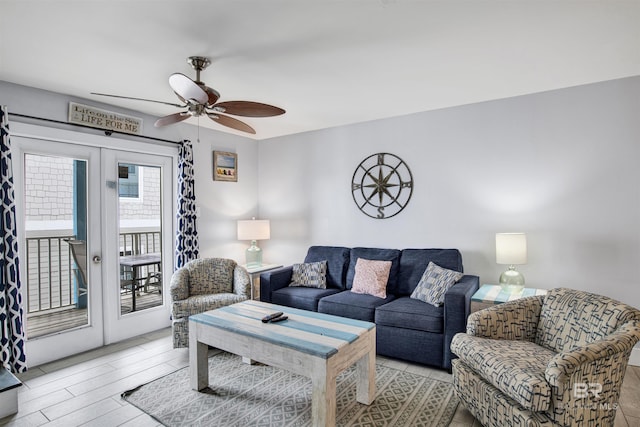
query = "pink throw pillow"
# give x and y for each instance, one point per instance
(371, 277)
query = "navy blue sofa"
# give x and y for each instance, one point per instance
(406, 328)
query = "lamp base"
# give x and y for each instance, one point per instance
(253, 255)
(512, 280)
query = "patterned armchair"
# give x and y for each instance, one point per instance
(202, 285)
(553, 360)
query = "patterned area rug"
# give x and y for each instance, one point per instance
(257, 395)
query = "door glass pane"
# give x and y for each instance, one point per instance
(56, 239)
(140, 248)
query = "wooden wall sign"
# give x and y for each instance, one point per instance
(103, 119)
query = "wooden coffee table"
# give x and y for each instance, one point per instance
(311, 344)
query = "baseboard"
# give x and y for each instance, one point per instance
(634, 359)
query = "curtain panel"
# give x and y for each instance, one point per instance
(186, 233)
(11, 311)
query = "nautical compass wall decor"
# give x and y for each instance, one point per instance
(382, 185)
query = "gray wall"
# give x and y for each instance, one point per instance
(560, 166)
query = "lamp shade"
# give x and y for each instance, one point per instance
(511, 248)
(254, 229)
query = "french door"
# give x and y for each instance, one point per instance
(137, 238)
(96, 231)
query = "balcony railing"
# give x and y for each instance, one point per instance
(49, 267)
(49, 273)
(135, 243)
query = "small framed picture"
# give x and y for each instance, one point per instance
(225, 166)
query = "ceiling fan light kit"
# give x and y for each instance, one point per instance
(199, 99)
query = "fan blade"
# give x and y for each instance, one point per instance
(213, 95)
(171, 119)
(248, 109)
(187, 89)
(182, 99)
(231, 122)
(139, 99)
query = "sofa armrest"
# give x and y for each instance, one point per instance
(273, 280)
(241, 282)
(179, 286)
(513, 320)
(457, 304)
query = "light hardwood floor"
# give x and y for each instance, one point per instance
(51, 322)
(85, 389)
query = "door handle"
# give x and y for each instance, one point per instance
(97, 259)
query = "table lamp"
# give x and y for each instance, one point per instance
(511, 249)
(254, 230)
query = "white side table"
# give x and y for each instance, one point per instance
(254, 272)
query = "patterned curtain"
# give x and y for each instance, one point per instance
(11, 313)
(186, 233)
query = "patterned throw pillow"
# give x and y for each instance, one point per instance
(371, 277)
(435, 282)
(310, 275)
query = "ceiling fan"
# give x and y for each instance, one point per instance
(200, 99)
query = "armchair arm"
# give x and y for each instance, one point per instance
(273, 280)
(179, 286)
(457, 303)
(586, 381)
(588, 358)
(513, 320)
(241, 282)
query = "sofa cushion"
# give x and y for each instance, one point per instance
(413, 263)
(392, 255)
(517, 368)
(337, 263)
(352, 305)
(408, 313)
(435, 282)
(300, 297)
(371, 277)
(310, 274)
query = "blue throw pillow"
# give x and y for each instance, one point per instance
(435, 282)
(310, 275)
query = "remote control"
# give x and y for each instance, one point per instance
(278, 319)
(272, 316)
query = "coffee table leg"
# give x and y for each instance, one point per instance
(366, 371)
(248, 360)
(323, 400)
(198, 363)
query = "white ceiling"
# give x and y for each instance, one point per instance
(328, 63)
